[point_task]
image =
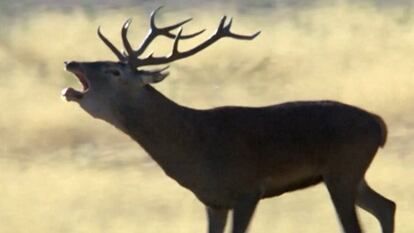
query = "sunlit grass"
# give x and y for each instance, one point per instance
(62, 171)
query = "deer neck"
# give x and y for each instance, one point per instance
(162, 127)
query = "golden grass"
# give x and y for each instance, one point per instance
(62, 171)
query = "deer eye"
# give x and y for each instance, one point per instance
(113, 72)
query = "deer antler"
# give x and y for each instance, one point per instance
(153, 33)
(131, 56)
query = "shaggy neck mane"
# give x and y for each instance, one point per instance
(162, 127)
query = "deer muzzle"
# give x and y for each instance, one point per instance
(69, 93)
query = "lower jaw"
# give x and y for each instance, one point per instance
(69, 94)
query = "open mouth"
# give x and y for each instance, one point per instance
(70, 93)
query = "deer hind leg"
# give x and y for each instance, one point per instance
(343, 195)
(379, 206)
(216, 219)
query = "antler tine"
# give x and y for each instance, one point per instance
(177, 25)
(184, 37)
(154, 31)
(125, 41)
(110, 45)
(152, 17)
(238, 36)
(245, 37)
(221, 24)
(165, 31)
(225, 30)
(229, 23)
(176, 40)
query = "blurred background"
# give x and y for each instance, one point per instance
(62, 171)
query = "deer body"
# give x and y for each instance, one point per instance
(232, 157)
(225, 152)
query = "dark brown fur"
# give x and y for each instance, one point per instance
(231, 157)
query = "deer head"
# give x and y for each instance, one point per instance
(104, 82)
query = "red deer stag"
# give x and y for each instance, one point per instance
(232, 157)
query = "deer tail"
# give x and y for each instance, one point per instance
(383, 130)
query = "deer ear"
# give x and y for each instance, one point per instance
(150, 78)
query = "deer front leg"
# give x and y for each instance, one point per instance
(216, 219)
(243, 212)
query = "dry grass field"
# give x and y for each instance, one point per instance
(63, 172)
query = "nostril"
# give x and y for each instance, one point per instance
(70, 65)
